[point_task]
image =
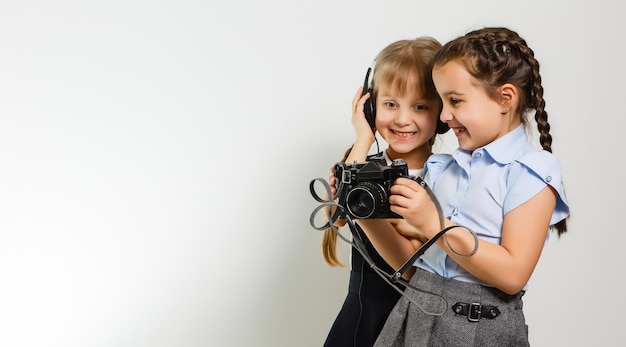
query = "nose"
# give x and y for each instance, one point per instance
(445, 115)
(403, 117)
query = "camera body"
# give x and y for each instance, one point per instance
(363, 188)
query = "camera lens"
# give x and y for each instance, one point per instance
(365, 200)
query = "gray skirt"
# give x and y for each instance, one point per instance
(433, 318)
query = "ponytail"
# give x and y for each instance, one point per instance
(329, 239)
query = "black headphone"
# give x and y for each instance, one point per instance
(369, 108)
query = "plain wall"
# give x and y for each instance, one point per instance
(155, 158)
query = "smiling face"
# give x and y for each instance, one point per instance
(475, 117)
(406, 121)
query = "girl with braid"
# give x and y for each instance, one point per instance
(467, 288)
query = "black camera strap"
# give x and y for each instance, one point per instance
(357, 243)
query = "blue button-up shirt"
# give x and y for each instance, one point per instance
(477, 189)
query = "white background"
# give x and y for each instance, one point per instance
(155, 158)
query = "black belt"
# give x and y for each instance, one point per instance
(475, 311)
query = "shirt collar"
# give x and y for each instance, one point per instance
(505, 149)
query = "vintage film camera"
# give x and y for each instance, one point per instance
(363, 188)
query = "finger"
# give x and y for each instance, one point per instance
(403, 190)
(359, 100)
(357, 97)
(399, 201)
(408, 182)
(332, 180)
(333, 189)
(359, 93)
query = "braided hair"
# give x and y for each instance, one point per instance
(496, 56)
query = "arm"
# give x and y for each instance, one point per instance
(507, 266)
(359, 150)
(393, 241)
(364, 135)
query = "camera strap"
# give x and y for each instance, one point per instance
(357, 243)
(420, 251)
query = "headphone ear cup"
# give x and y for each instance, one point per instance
(369, 108)
(442, 127)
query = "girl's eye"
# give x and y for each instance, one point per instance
(454, 101)
(420, 107)
(390, 104)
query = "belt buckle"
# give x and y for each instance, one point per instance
(474, 312)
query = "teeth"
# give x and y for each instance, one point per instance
(403, 134)
(457, 130)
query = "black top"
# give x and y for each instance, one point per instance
(369, 301)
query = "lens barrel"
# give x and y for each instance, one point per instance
(366, 200)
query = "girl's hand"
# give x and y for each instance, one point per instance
(332, 181)
(412, 202)
(359, 122)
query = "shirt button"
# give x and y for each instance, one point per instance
(549, 178)
(478, 155)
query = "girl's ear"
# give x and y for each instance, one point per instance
(508, 97)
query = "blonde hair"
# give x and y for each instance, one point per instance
(329, 239)
(397, 65)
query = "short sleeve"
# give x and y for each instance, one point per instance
(529, 175)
